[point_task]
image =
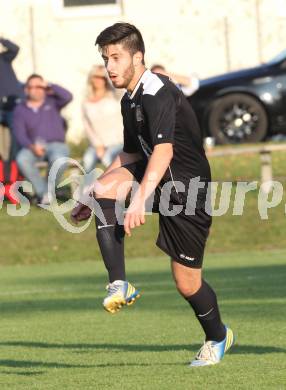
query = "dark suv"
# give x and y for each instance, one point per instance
(243, 106)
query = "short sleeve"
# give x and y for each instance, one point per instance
(160, 114)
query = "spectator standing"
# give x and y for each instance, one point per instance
(40, 131)
(102, 120)
(10, 88)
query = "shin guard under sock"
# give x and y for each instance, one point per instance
(204, 304)
(110, 237)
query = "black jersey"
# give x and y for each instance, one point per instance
(157, 112)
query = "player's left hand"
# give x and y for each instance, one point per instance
(135, 215)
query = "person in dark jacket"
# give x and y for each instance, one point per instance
(10, 88)
(40, 131)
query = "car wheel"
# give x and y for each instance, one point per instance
(237, 118)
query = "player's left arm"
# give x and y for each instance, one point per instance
(160, 116)
(157, 166)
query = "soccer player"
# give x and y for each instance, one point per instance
(163, 152)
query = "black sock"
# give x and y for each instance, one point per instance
(111, 240)
(204, 304)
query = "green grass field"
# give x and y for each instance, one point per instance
(55, 334)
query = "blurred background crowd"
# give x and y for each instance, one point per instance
(48, 63)
(31, 112)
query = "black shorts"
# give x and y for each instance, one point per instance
(183, 237)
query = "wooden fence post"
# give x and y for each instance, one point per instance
(266, 171)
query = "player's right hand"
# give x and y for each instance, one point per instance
(80, 213)
(135, 214)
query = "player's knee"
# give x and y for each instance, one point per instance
(113, 185)
(103, 188)
(188, 287)
(98, 189)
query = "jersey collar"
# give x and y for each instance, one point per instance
(142, 79)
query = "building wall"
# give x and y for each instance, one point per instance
(205, 36)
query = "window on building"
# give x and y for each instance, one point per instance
(87, 8)
(83, 3)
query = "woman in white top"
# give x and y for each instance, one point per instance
(102, 120)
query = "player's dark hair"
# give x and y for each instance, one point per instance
(34, 76)
(126, 34)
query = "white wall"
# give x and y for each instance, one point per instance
(181, 34)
